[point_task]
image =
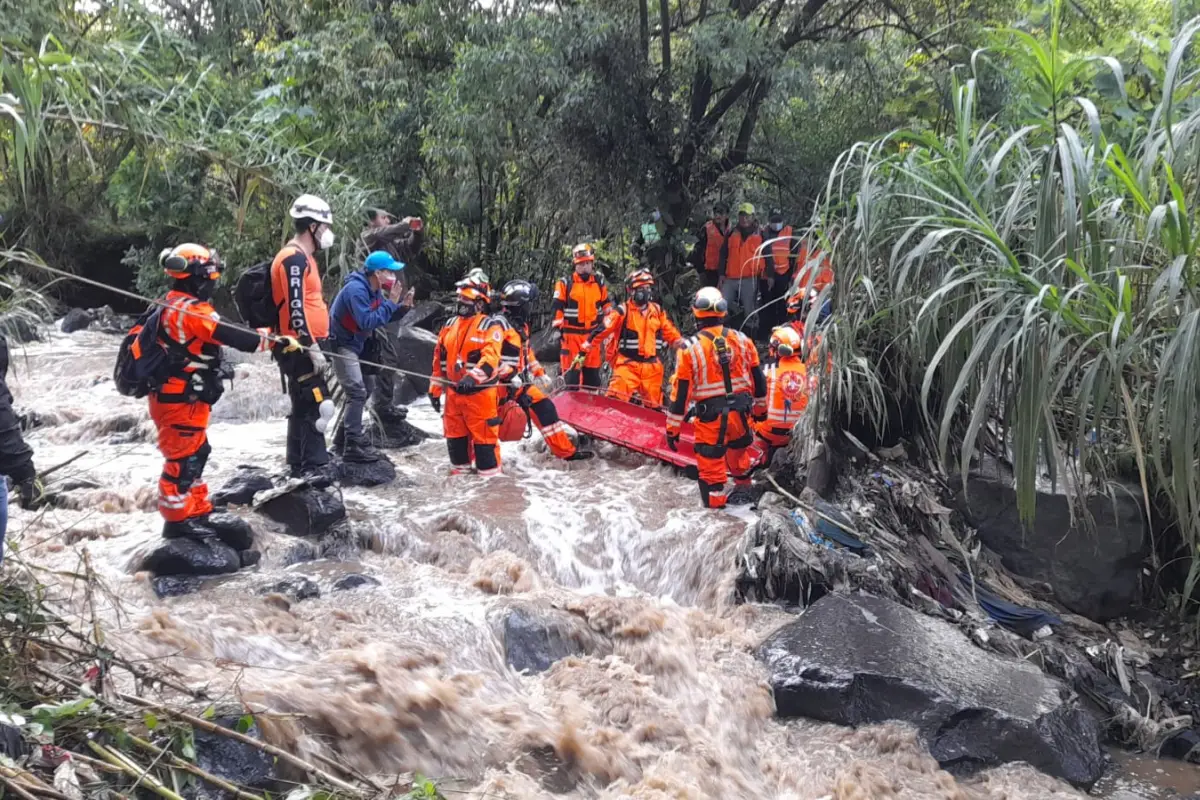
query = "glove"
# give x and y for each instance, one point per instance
(466, 384)
(290, 344)
(673, 441)
(525, 401)
(436, 402)
(585, 346)
(516, 382)
(318, 358)
(31, 493)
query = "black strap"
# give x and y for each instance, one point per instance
(723, 359)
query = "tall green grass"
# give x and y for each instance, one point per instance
(1034, 282)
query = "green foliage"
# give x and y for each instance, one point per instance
(1038, 284)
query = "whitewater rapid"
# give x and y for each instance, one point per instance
(668, 700)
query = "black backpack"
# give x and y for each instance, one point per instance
(146, 359)
(255, 299)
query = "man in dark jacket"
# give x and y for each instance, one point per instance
(16, 457)
(403, 240)
(369, 300)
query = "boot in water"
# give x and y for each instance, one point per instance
(359, 452)
(191, 528)
(580, 455)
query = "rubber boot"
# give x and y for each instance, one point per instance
(357, 451)
(190, 528)
(580, 455)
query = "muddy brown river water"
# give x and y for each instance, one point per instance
(411, 674)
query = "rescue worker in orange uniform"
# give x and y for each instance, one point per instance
(711, 251)
(523, 380)
(466, 360)
(641, 328)
(787, 391)
(782, 251)
(798, 307)
(304, 325)
(744, 265)
(180, 406)
(580, 304)
(718, 382)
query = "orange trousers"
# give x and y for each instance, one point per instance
(590, 372)
(471, 423)
(643, 379)
(720, 454)
(183, 441)
(545, 416)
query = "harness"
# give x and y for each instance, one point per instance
(185, 365)
(635, 355)
(570, 303)
(714, 408)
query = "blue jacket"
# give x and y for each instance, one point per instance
(358, 310)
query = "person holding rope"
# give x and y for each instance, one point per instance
(526, 379)
(369, 300)
(466, 367)
(303, 326)
(191, 382)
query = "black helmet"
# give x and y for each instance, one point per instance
(517, 299)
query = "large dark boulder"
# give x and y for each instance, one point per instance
(392, 432)
(534, 640)
(209, 556)
(22, 331)
(1093, 571)
(241, 488)
(428, 315)
(353, 581)
(238, 763)
(77, 319)
(305, 511)
(297, 588)
(231, 530)
(545, 345)
(376, 473)
(175, 585)
(859, 660)
(414, 353)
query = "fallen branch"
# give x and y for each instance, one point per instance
(212, 727)
(142, 777)
(16, 788)
(837, 522)
(176, 761)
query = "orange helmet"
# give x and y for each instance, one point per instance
(785, 341)
(583, 253)
(709, 302)
(477, 284)
(638, 279)
(191, 261)
(796, 303)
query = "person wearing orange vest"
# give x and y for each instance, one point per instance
(304, 323)
(744, 265)
(787, 391)
(710, 253)
(523, 380)
(580, 303)
(782, 251)
(640, 328)
(466, 359)
(719, 382)
(180, 407)
(813, 272)
(799, 306)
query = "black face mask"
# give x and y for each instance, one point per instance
(641, 296)
(200, 288)
(464, 309)
(516, 314)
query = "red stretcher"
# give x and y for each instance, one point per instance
(629, 425)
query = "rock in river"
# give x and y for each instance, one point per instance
(1092, 571)
(207, 556)
(858, 660)
(375, 473)
(305, 511)
(241, 488)
(77, 319)
(535, 639)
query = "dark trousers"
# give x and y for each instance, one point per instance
(306, 389)
(774, 312)
(385, 390)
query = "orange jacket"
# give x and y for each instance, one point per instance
(515, 354)
(639, 334)
(580, 303)
(715, 249)
(818, 271)
(783, 250)
(468, 346)
(296, 287)
(787, 395)
(699, 375)
(745, 260)
(196, 328)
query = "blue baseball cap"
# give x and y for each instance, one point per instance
(381, 259)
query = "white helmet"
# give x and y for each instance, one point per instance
(309, 206)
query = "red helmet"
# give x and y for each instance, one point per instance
(192, 261)
(639, 278)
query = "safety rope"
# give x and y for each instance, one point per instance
(271, 337)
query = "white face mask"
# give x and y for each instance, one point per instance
(776, 226)
(325, 240)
